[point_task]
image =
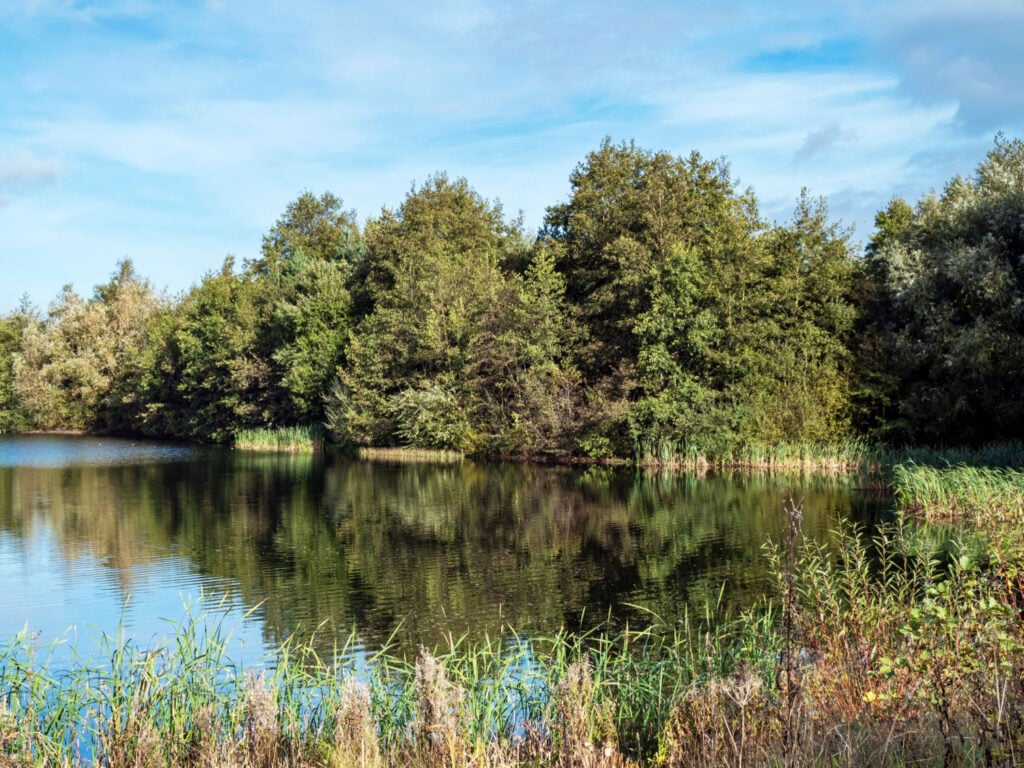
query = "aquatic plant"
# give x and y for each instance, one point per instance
(309, 439)
(882, 655)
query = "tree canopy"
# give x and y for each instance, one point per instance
(655, 311)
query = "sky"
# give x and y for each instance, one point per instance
(175, 132)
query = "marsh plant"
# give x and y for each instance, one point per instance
(289, 439)
(874, 652)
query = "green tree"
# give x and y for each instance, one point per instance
(659, 258)
(205, 378)
(12, 330)
(310, 326)
(431, 275)
(260, 347)
(74, 369)
(525, 393)
(947, 318)
(799, 388)
(629, 209)
(318, 228)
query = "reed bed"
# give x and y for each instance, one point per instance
(844, 457)
(852, 456)
(981, 495)
(309, 439)
(880, 656)
(410, 455)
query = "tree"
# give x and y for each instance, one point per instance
(799, 388)
(317, 228)
(12, 330)
(524, 391)
(75, 369)
(659, 256)
(947, 309)
(430, 276)
(311, 322)
(629, 209)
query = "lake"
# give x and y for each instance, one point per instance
(102, 533)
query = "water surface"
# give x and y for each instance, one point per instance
(101, 533)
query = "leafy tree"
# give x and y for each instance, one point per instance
(947, 309)
(705, 327)
(310, 325)
(659, 258)
(799, 388)
(431, 275)
(629, 209)
(12, 330)
(524, 389)
(206, 380)
(260, 347)
(318, 228)
(74, 370)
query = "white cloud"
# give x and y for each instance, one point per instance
(187, 131)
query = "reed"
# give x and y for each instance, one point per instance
(981, 495)
(309, 439)
(843, 457)
(410, 455)
(832, 458)
(880, 655)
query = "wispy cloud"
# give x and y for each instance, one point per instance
(179, 131)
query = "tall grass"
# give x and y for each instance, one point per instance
(309, 439)
(880, 656)
(410, 455)
(841, 457)
(818, 457)
(983, 495)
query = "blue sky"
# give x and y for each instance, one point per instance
(175, 133)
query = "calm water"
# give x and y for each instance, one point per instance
(101, 533)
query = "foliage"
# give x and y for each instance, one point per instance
(430, 418)
(76, 370)
(703, 328)
(433, 277)
(524, 387)
(655, 314)
(290, 439)
(257, 348)
(313, 229)
(12, 331)
(942, 354)
(206, 378)
(309, 326)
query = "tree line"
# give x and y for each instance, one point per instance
(655, 307)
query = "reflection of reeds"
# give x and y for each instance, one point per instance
(883, 658)
(410, 455)
(308, 439)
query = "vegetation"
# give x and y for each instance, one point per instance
(886, 655)
(942, 326)
(656, 315)
(292, 439)
(983, 495)
(410, 455)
